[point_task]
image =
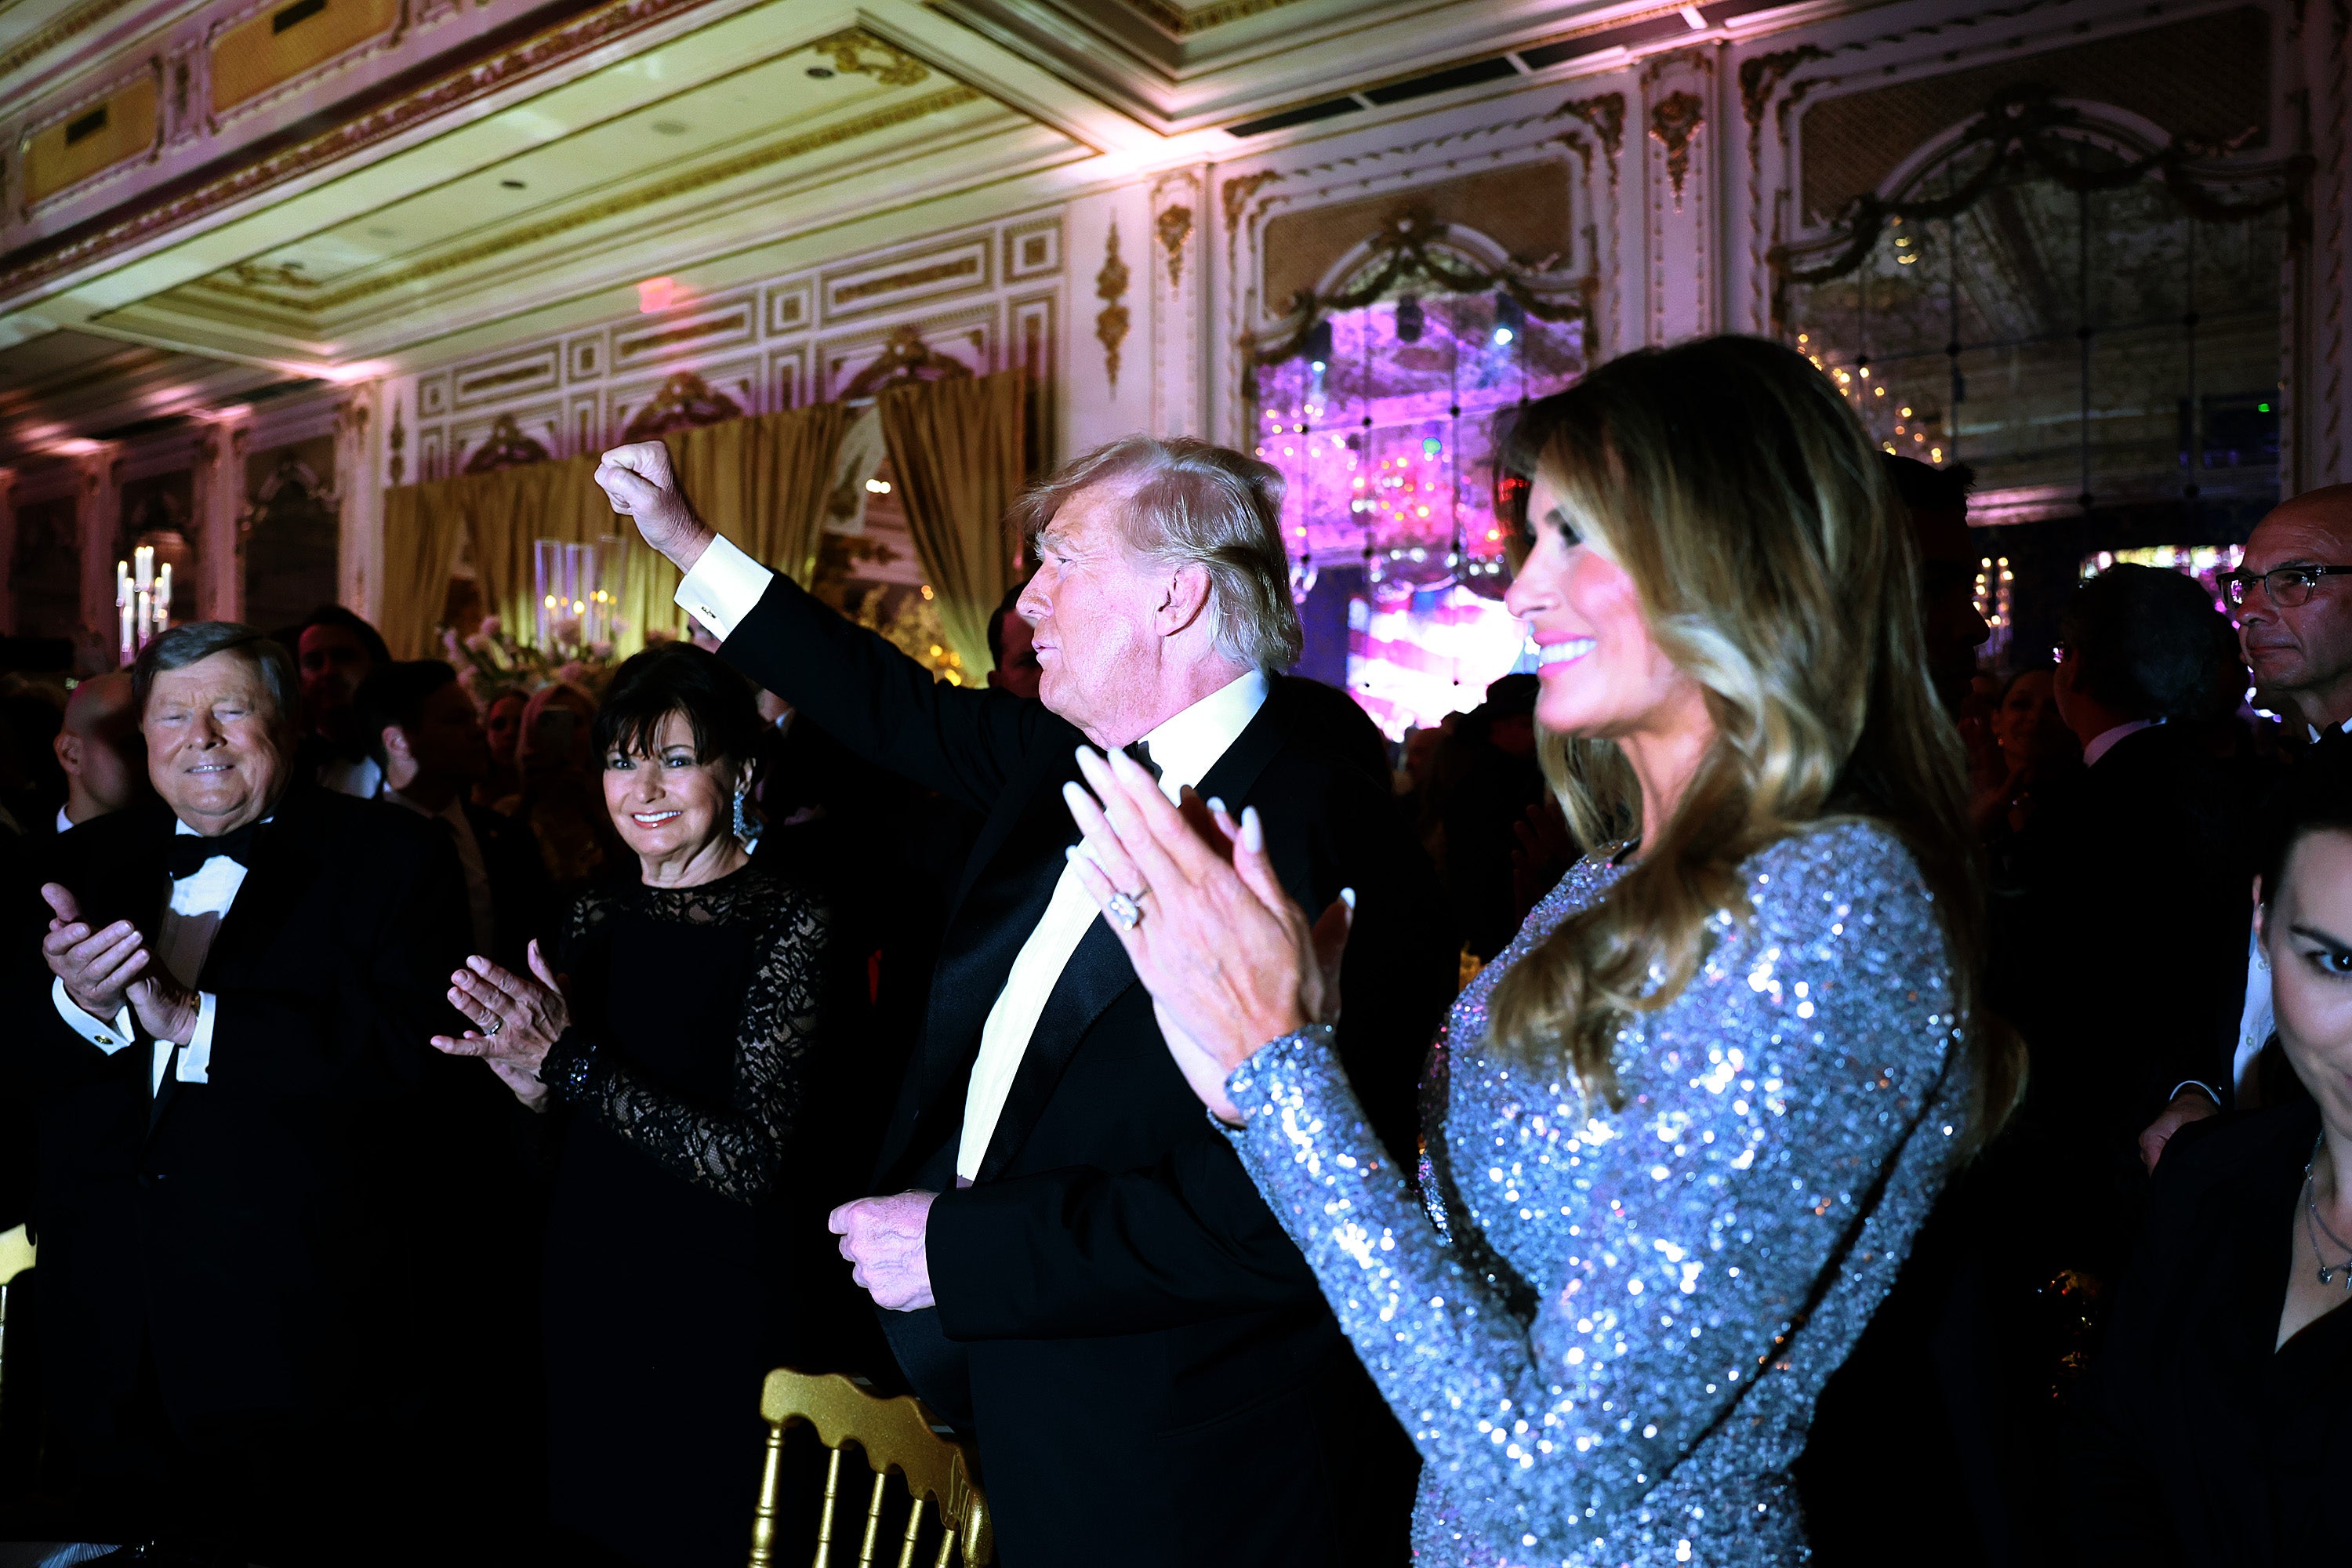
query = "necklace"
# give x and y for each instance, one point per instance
(2317, 1228)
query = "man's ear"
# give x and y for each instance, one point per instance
(395, 744)
(68, 746)
(2261, 916)
(1186, 599)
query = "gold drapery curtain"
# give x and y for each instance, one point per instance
(760, 481)
(416, 568)
(958, 449)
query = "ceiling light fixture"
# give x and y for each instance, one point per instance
(821, 73)
(669, 128)
(656, 295)
(512, 184)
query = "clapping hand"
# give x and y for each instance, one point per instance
(1230, 960)
(517, 1019)
(637, 479)
(107, 969)
(97, 967)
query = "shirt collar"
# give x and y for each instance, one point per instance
(455, 811)
(181, 829)
(1187, 746)
(2104, 740)
(2345, 726)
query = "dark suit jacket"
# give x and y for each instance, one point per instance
(2127, 973)
(2197, 1438)
(1137, 1334)
(522, 900)
(258, 1234)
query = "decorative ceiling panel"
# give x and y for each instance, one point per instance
(600, 180)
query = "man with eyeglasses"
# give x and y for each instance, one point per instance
(2292, 598)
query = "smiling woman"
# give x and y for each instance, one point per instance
(672, 1032)
(1759, 996)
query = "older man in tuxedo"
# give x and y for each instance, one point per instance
(226, 1028)
(1074, 1265)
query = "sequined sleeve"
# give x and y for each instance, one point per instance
(1674, 1246)
(736, 1151)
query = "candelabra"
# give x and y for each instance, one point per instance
(142, 596)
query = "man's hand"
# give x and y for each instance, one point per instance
(2189, 1105)
(885, 1238)
(98, 967)
(638, 482)
(166, 1009)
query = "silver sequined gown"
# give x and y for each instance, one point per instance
(1609, 1350)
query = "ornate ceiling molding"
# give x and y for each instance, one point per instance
(240, 283)
(558, 45)
(73, 23)
(1185, 21)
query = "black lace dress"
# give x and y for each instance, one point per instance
(677, 1089)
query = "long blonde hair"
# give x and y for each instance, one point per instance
(1771, 559)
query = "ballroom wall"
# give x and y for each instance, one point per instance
(1664, 178)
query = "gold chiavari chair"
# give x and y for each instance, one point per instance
(894, 1434)
(16, 1251)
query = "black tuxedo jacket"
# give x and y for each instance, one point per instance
(259, 1235)
(1150, 1368)
(522, 900)
(2126, 967)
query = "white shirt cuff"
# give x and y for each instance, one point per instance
(109, 1038)
(196, 1056)
(725, 586)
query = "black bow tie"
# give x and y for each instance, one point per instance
(2332, 738)
(1140, 752)
(188, 852)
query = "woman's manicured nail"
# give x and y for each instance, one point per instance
(1347, 897)
(1252, 830)
(1217, 805)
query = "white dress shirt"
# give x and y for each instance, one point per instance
(479, 907)
(362, 780)
(65, 823)
(1184, 748)
(2104, 740)
(725, 585)
(184, 939)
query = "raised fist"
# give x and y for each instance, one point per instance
(637, 479)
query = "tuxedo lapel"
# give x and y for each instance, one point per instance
(1100, 971)
(1016, 864)
(282, 863)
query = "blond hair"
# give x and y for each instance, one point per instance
(1190, 503)
(1773, 567)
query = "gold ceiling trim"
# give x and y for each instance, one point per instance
(465, 84)
(57, 33)
(849, 49)
(726, 169)
(1183, 21)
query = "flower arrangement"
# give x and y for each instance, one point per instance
(492, 664)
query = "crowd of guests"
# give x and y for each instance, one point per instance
(1876, 1107)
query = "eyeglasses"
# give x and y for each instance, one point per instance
(2287, 585)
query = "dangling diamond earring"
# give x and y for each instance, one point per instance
(745, 828)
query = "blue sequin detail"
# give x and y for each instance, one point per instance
(1700, 1260)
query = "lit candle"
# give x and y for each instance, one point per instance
(163, 597)
(145, 571)
(122, 603)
